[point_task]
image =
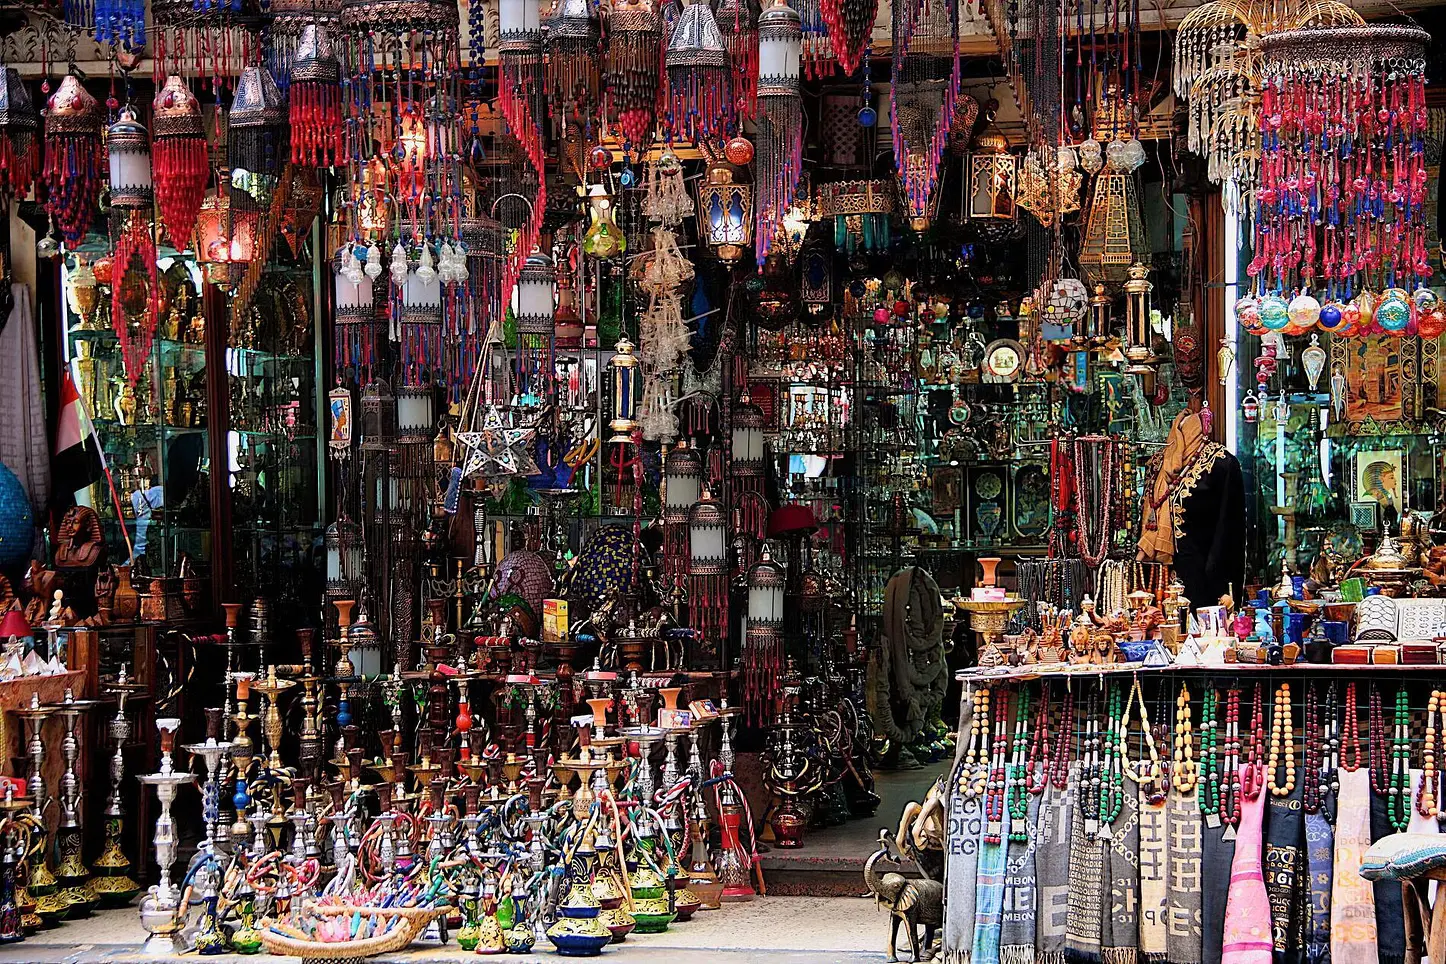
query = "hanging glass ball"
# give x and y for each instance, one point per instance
(1350, 318)
(600, 158)
(1393, 314)
(1425, 299)
(1432, 323)
(739, 151)
(1274, 313)
(1331, 317)
(868, 117)
(627, 177)
(1247, 315)
(1304, 313)
(1092, 156)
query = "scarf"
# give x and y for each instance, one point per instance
(1086, 896)
(1353, 903)
(1390, 906)
(24, 442)
(966, 824)
(1284, 858)
(989, 903)
(1187, 450)
(1052, 866)
(1016, 937)
(1183, 890)
(1247, 938)
(1120, 933)
(913, 655)
(1154, 868)
(1319, 846)
(1218, 854)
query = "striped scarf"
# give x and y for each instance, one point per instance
(1353, 903)
(1016, 936)
(1183, 892)
(989, 904)
(966, 823)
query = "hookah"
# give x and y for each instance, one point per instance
(271, 687)
(734, 862)
(14, 843)
(71, 872)
(242, 756)
(211, 753)
(41, 885)
(112, 884)
(162, 914)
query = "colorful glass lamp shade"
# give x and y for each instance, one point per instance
(634, 61)
(725, 212)
(256, 134)
(19, 143)
(990, 191)
(72, 157)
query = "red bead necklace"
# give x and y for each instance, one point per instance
(1230, 807)
(1064, 747)
(1351, 733)
(1254, 776)
(1380, 758)
(994, 789)
(1039, 748)
(1311, 790)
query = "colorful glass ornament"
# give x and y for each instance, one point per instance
(315, 100)
(1304, 312)
(179, 158)
(1313, 360)
(72, 157)
(1393, 314)
(1274, 313)
(19, 143)
(1331, 317)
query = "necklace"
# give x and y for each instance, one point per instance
(1282, 740)
(1064, 746)
(1017, 797)
(1398, 804)
(1313, 789)
(1094, 509)
(976, 757)
(1252, 779)
(1184, 774)
(1209, 764)
(1376, 744)
(1142, 773)
(1112, 791)
(1427, 801)
(1039, 749)
(1090, 779)
(1230, 805)
(1351, 733)
(994, 788)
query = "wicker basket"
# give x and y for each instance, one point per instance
(414, 920)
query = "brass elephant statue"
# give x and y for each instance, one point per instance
(911, 900)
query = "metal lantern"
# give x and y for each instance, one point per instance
(1100, 314)
(421, 318)
(763, 637)
(707, 536)
(739, 23)
(535, 310)
(633, 69)
(682, 485)
(343, 542)
(315, 100)
(708, 573)
(626, 376)
(989, 197)
(748, 421)
(573, 69)
(378, 416)
(19, 143)
(414, 413)
(179, 158)
(780, 118)
(700, 88)
(128, 147)
(72, 157)
(1137, 320)
(354, 302)
(256, 131)
(725, 211)
(1114, 235)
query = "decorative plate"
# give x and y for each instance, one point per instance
(1003, 359)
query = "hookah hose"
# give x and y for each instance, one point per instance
(719, 778)
(612, 805)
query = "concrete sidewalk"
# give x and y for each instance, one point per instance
(791, 930)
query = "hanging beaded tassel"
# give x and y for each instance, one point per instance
(315, 100)
(121, 23)
(255, 139)
(573, 55)
(818, 55)
(634, 66)
(179, 158)
(520, 87)
(72, 158)
(850, 27)
(738, 19)
(135, 254)
(19, 146)
(914, 83)
(779, 138)
(700, 81)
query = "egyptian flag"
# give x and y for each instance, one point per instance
(78, 462)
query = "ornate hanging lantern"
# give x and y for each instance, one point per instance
(990, 195)
(738, 21)
(624, 372)
(255, 139)
(725, 212)
(780, 119)
(520, 98)
(72, 157)
(850, 28)
(128, 148)
(700, 86)
(343, 541)
(536, 306)
(134, 307)
(763, 638)
(19, 145)
(1138, 351)
(860, 211)
(574, 53)
(747, 442)
(180, 159)
(708, 574)
(924, 85)
(417, 300)
(634, 66)
(1114, 235)
(354, 303)
(315, 100)
(683, 484)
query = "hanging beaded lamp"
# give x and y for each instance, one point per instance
(356, 329)
(738, 20)
(72, 157)
(520, 99)
(779, 137)
(850, 27)
(924, 79)
(315, 100)
(19, 145)
(634, 66)
(180, 159)
(700, 86)
(285, 34)
(574, 54)
(134, 308)
(256, 131)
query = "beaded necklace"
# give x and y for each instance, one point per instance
(1230, 805)
(1331, 778)
(1017, 795)
(1282, 741)
(1313, 789)
(1253, 779)
(1184, 772)
(1063, 749)
(1380, 762)
(1398, 804)
(1112, 791)
(1035, 774)
(1351, 733)
(1142, 773)
(1209, 763)
(994, 788)
(976, 755)
(1090, 779)
(1427, 800)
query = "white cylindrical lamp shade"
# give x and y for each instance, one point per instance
(128, 150)
(765, 593)
(707, 537)
(536, 295)
(683, 482)
(780, 46)
(516, 17)
(414, 413)
(747, 441)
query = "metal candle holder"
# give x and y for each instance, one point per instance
(161, 913)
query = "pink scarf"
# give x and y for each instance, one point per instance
(1248, 938)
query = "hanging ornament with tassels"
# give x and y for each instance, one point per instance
(634, 68)
(255, 139)
(779, 139)
(72, 157)
(850, 28)
(315, 100)
(19, 143)
(700, 82)
(179, 155)
(738, 20)
(574, 55)
(923, 96)
(520, 90)
(134, 310)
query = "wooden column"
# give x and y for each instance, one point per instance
(1210, 310)
(218, 413)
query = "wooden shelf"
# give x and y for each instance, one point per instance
(978, 674)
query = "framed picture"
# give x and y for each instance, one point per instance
(947, 483)
(1379, 476)
(1366, 516)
